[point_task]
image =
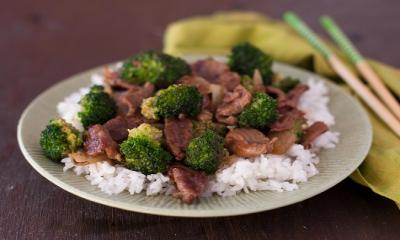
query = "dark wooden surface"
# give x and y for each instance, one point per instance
(42, 42)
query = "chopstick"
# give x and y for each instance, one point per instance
(362, 90)
(361, 64)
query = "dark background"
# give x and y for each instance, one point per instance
(42, 42)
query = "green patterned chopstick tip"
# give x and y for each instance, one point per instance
(294, 21)
(341, 39)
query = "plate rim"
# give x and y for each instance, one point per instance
(185, 212)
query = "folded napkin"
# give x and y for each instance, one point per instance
(217, 33)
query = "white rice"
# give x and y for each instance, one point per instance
(265, 172)
(314, 103)
(116, 179)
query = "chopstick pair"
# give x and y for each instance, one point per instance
(356, 84)
(361, 64)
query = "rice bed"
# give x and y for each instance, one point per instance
(265, 172)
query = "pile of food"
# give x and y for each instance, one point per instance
(161, 125)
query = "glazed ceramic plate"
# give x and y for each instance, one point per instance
(335, 165)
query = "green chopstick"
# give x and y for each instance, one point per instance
(361, 64)
(341, 39)
(294, 21)
(346, 74)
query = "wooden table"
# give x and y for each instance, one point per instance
(42, 43)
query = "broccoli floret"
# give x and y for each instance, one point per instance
(261, 111)
(172, 101)
(200, 127)
(59, 138)
(145, 130)
(205, 152)
(143, 155)
(247, 82)
(245, 58)
(286, 84)
(178, 99)
(148, 109)
(158, 68)
(143, 151)
(298, 129)
(299, 135)
(97, 107)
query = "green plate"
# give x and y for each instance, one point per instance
(335, 165)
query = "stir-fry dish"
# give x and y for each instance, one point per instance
(161, 125)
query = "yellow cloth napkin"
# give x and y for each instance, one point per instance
(215, 34)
